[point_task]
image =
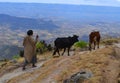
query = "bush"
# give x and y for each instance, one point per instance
(16, 57)
(41, 47)
(81, 44)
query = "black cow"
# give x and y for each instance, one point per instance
(63, 43)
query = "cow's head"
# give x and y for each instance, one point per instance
(75, 38)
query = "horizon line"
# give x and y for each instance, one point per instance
(64, 4)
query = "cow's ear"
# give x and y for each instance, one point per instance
(69, 37)
(75, 36)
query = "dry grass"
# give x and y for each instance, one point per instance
(93, 61)
(110, 41)
(61, 68)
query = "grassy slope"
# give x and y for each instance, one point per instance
(58, 69)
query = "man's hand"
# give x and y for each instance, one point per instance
(37, 36)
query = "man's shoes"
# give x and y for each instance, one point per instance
(34, 66)
(23, 68)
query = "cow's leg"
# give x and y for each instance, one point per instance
(90, 45)
(94, 45)
(98, 42)
(58, 52)
(68, 50)
(54, 52)
(64, 51)
(98, 45)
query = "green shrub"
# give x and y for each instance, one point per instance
(81, 44)
(39, 45)
(16, 57)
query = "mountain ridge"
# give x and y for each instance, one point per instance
(23, 23)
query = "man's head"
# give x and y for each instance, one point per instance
(29, 32)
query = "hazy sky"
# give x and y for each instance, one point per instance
(87, 2)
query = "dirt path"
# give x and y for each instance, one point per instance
(56, 71)
(52, 70)
(18, 72)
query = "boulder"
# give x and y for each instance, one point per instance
(79, 77)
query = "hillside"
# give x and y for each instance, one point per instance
(23, 23)
(103, 63)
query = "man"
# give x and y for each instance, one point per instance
(30, 49)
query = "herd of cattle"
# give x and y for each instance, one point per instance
(67, 42)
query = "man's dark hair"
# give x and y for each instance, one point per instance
(29, 32)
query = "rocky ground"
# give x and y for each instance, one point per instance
(103, 64)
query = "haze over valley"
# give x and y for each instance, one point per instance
(50, 21)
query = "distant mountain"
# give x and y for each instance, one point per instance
(70, 12)
(25, 23)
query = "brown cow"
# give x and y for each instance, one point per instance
(94, 37)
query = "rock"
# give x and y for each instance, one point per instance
(79, 77)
